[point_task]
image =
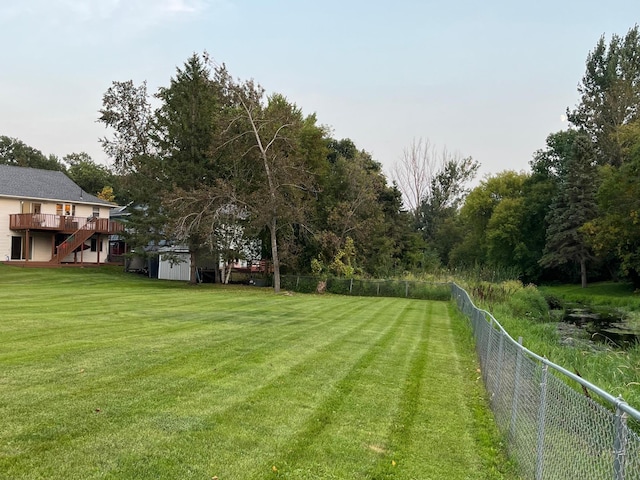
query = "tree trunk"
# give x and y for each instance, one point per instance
(228, 275)
(217, 275)
(192, 274)
(274, 255)
(583, 272)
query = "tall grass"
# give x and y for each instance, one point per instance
(520, 311)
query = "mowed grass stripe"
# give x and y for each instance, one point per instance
(193, 382)
(164, 350)
(348, 432)
(298, 403)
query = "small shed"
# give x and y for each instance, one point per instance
(174, 264)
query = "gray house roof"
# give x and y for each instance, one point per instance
(34, 183)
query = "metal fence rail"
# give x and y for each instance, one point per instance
(552, 430)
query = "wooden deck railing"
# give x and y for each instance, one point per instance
(65, 224)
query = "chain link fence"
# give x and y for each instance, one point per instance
(367, 288)
(552, 431)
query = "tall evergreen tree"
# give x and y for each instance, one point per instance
(610, 93)
(186, 124)
(574, 206)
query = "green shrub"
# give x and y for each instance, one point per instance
(299, 284)
(338, 286)
(529, 302)
(430, 291)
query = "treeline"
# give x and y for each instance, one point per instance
(576, 214)
(220, 167)
(92, 177)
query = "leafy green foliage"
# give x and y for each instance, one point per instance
(615, 233)
(341, 265)
(492, 218)
(529, 302)
(610, 93)
(89, 175)
(438, 208)
(185, 122)
(17, 153)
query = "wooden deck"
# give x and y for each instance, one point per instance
(62, 224)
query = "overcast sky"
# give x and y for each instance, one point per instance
(488, 79)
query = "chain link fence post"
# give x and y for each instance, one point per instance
(619, 444)
(498, 380)
(516, 394)
(487, 365)
(542, 412)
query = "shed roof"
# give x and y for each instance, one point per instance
(35, 183)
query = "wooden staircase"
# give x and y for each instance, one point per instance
(75, 240)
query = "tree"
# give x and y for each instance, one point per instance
(615, 233)
(492, 220)
(281, 174)
(107, 194)
(430, 182)
(438, 209)
(92, 177)
(574, 206)
(126, 111)
(205, 219)
(447, 190)
(354, 201)
(15, 152)
(610, 93)
(414, 173)
(186, 124)
(548, 166)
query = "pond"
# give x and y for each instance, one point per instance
(608, 326)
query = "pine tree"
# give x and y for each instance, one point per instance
(574, 206)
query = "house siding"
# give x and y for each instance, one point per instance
(42, 241)
(7, 207)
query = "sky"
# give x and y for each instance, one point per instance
(487, 79)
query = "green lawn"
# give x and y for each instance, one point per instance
(108, 375)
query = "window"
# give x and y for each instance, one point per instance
(96, 212)
(94, 245)
(65, 209)
(16, 248)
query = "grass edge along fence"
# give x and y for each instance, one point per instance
(368, 288)
(551, 430)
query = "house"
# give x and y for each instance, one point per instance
(47, 219)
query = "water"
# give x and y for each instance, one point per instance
(602, 325)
